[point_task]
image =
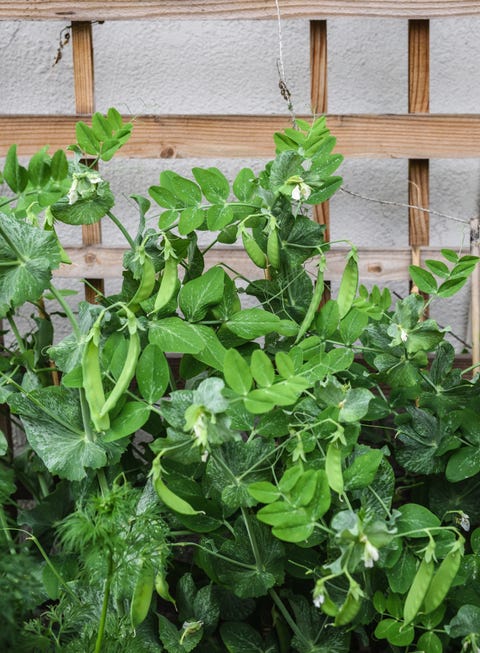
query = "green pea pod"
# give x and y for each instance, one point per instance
(142, 594)
(126, 375)
(173, 501)
(442, 581)
(348, 610)
(92, 385)
(333, 467)
(273, 249)
(313, 306)
(162, 587)
(329, 607)
(254, 251)
(146, 285)
(418, 590)
(348, 286)
(168, 284)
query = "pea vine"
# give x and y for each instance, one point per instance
(222, 462)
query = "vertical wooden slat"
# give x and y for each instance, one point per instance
(83, 70)
(475, 293)
(418, 102)
(319, 96)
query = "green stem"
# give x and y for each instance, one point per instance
(67, 310)
(253, 542)
(215, 554)
(102, 481)
(286, 615)
(16, 333)
(86, 416)
(120, 226)
(106, 598)
(4, 527)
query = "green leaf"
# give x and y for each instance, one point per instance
(395, 632)
(262, 368)
(218, 217)
(463, 464)
(152, 373)
(36, 255)
(15, 175)
(264, 491)
(190, 219)
(363, 469)
(213, 183)
(173, 335)
(163, 197)
(130, 420)
(401, 575)
(59, 166)
(212, 352)
(237, 372)
(86, 139)
(438, 267)
(3, 444)
(186, 192)
(353, 325)
(429, 642)
(39, 168)
(84, 210)
(253, 323)
(54, 427)
(451, 286)
(240, 637)
(244, 185)
(414, 517)
(465, 622)
(198, 294)
(424, 280)
(355, 404)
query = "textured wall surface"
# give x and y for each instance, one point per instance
(191, 67)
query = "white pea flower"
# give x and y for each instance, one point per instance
(318, 600)
(83, 185)
(301, 191)
(370, 552)
(464, 521)
(403, 335)
(319, 594)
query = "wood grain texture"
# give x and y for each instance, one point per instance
(376, 265)
(83, 75)
(319, 96)
(83, 10)
(418, 102)
(360, 136)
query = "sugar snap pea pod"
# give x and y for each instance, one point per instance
(254, 251)
(314, 302)
(348, 285)
(168, 284)
(147, 282)
(273, 248)
(128, 370)
(418, 590)
(349, 610)
(92, 383)
(142, 594)
(442, 581)
(171, 500)
(333, 467)
(162, 588)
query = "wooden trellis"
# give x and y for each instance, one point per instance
(416, 135)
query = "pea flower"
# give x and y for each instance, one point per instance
(84, 185)
(319, 594)
(370, 552)
(301, 191)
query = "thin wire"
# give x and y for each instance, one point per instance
(406, 206)
(284, 90)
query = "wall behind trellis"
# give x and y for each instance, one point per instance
(230, 67)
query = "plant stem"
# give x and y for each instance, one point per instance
(102, 481)
(106, 597)
(4, 527)
(86, 416)
(120, 226)
(67, 310)
(16, 333)
(286, 615)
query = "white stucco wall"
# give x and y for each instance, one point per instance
(192, 67)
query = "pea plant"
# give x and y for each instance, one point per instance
(221, 463)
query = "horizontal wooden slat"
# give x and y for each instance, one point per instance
(413, 136)
(377, 265)
(231, 9)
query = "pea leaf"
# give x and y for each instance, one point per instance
(29, 275)
(53, 424)
(174, 335)
(177, 641)
(152, 373)
(240, 637)
(237, 372)
(424, 280)
(466, 621)
(186, 192)
(414, 517)
(463, 464)
(363, 469)
(213, 183)
(198, 294)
